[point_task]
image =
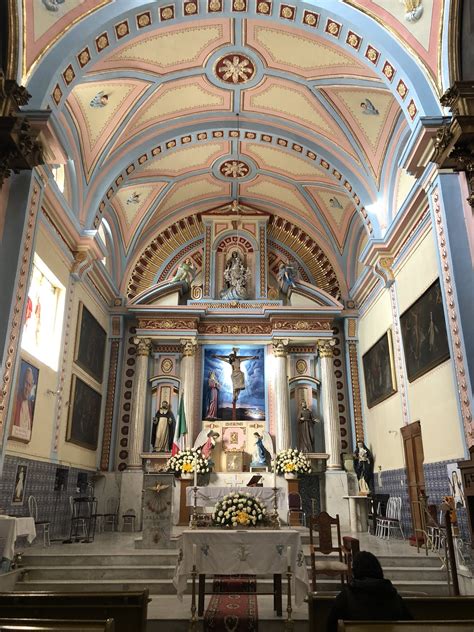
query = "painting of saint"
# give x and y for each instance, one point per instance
(84, 420)
(90, 346)
(233, 375)
(379, 374)
(24, 407)
(423, 326)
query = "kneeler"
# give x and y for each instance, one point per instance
(233, 605)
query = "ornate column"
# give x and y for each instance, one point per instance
(282, 400)
(138, 404)
(329, 401)
(187, 385)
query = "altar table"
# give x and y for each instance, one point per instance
(209, 496)
(10, 529)
(246, 552)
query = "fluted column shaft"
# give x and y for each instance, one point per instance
(188, 373)
(330, 411)
(282, 400)
(139, 404)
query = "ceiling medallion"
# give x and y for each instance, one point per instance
(234, 169)
(235, 68)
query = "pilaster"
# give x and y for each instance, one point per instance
(329, 401)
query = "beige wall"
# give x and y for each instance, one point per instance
(432, 397)
(49, 380)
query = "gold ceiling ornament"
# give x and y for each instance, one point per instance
(234, 169)
(235, 68)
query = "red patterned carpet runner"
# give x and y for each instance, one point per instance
(233, 605)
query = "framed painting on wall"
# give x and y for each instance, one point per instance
(24, 404)
(90, 344)
(231, 372)
(379, 371)
(425, 341)
(20, 484)
(84, 414)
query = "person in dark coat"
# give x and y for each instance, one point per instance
(369, 597)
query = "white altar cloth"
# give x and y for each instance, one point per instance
(208, 496)
(235, 552)
(10, 529)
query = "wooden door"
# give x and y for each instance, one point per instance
(414, 457)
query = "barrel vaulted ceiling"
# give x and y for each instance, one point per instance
(169, 109)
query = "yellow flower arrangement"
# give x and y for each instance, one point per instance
(187, 467)
(289, 467)
(243, 517)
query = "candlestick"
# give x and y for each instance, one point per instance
(195, 472)
(274, 475)
(195, 554)
(288, 556)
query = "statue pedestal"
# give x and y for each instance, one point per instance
(157, 508)
(358, 513)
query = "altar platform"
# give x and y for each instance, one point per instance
(112, 562)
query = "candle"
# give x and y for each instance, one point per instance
(288, 556)
(195, 472)
(195, 554)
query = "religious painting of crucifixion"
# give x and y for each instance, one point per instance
(233, 383)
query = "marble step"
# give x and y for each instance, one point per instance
(93, 559)
(164, 571)
(165, 586)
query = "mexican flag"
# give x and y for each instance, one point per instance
(180, 430)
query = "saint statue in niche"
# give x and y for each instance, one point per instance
(236, 276)
(213, 396)
(306, 429)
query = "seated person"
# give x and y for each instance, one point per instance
(368, 597)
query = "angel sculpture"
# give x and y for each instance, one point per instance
(369, 108)
(262, 450)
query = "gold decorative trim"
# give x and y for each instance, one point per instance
(326, 348)
(144, 346)
(109, 405)
(355, 386)
(398, 366)
(166, 323)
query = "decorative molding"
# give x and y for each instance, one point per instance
(399, 355)
(452, 308)
(109, 405)
(237, 329)
(166, 323)
(302, 325)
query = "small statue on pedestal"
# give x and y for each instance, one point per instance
(162, 429)
(364, 468)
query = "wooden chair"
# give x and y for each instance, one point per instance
(295, 509)
(328, 531)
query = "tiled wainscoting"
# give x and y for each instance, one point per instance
(310, 489)
(53, 505)
(394, 482)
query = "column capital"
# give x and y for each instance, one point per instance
(280, 347)
(189, 347)
(143, 346)
(326, 348)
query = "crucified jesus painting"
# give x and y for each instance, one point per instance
(238, 377)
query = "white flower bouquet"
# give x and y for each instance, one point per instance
(185, 461)
(239, 510)
(292, 461)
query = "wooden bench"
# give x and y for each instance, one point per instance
(423, 608)
(56, 625)
(405, 626)
(127, 609)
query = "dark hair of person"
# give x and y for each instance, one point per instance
(366, 565)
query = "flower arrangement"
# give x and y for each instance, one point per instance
(183, 462)
(292, 461)
(239, 510)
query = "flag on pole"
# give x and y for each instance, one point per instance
(180, 430)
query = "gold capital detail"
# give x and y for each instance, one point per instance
(188, 348)
(326, 348)
(280, 348)
(143, 346)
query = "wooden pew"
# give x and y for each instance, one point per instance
(423, 608)
(127, 609)
(405, 626)
(59, 625)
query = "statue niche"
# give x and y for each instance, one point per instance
(234, 277)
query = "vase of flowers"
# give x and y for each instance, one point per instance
(184, 462)
(239, 510)
(291, 463)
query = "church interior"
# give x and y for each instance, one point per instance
(236, 316)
